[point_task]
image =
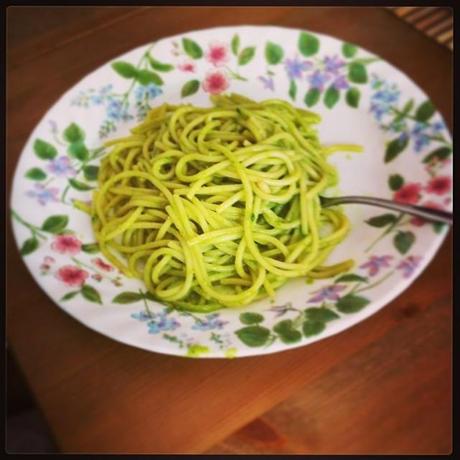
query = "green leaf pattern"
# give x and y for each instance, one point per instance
(246, 55)
(192, 48)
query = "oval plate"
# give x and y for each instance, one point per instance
(362, 99)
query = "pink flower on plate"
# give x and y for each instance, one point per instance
(102, 265)
(409, 193)
(439, 185)
(215, 82)
(187, 67)
(66, 244)
(72, 275)
(419, 221)
(218, 54)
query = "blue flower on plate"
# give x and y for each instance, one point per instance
(147, 92)
(114, 109)
(97, 99)
(438, 126)
(141, 316)
(162, 322)
(383, 100)
(43, 194)
(117, 110)
(420, 136)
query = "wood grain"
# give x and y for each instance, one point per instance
(387, 398)
(102, 396)
(435, 22)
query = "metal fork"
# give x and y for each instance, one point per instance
(420, 211)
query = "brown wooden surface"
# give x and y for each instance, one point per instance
(382, 386)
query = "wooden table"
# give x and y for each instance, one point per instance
(383, 386)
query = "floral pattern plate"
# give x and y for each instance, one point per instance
(362, 99)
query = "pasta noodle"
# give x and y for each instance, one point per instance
(217, 207)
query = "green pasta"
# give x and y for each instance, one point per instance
(217, 207)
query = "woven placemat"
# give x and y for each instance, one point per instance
(435, 22)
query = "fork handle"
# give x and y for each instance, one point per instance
(436, 215)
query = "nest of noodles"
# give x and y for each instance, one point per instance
(217, 207)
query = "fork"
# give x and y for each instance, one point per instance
(436, 215)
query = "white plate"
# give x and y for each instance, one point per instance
(357, 94)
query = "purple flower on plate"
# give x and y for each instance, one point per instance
(62, 167)
(295, 67)
(318, 79)
(212, 321)
(341, 83)
(44, 195)
(408, 265)
(268, 82)
(327, 293)
(375, 263)
(53, 126)
(280, 310)
(333, 64)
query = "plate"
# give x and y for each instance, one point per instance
(362, 99)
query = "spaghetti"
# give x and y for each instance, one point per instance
(217, 207)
